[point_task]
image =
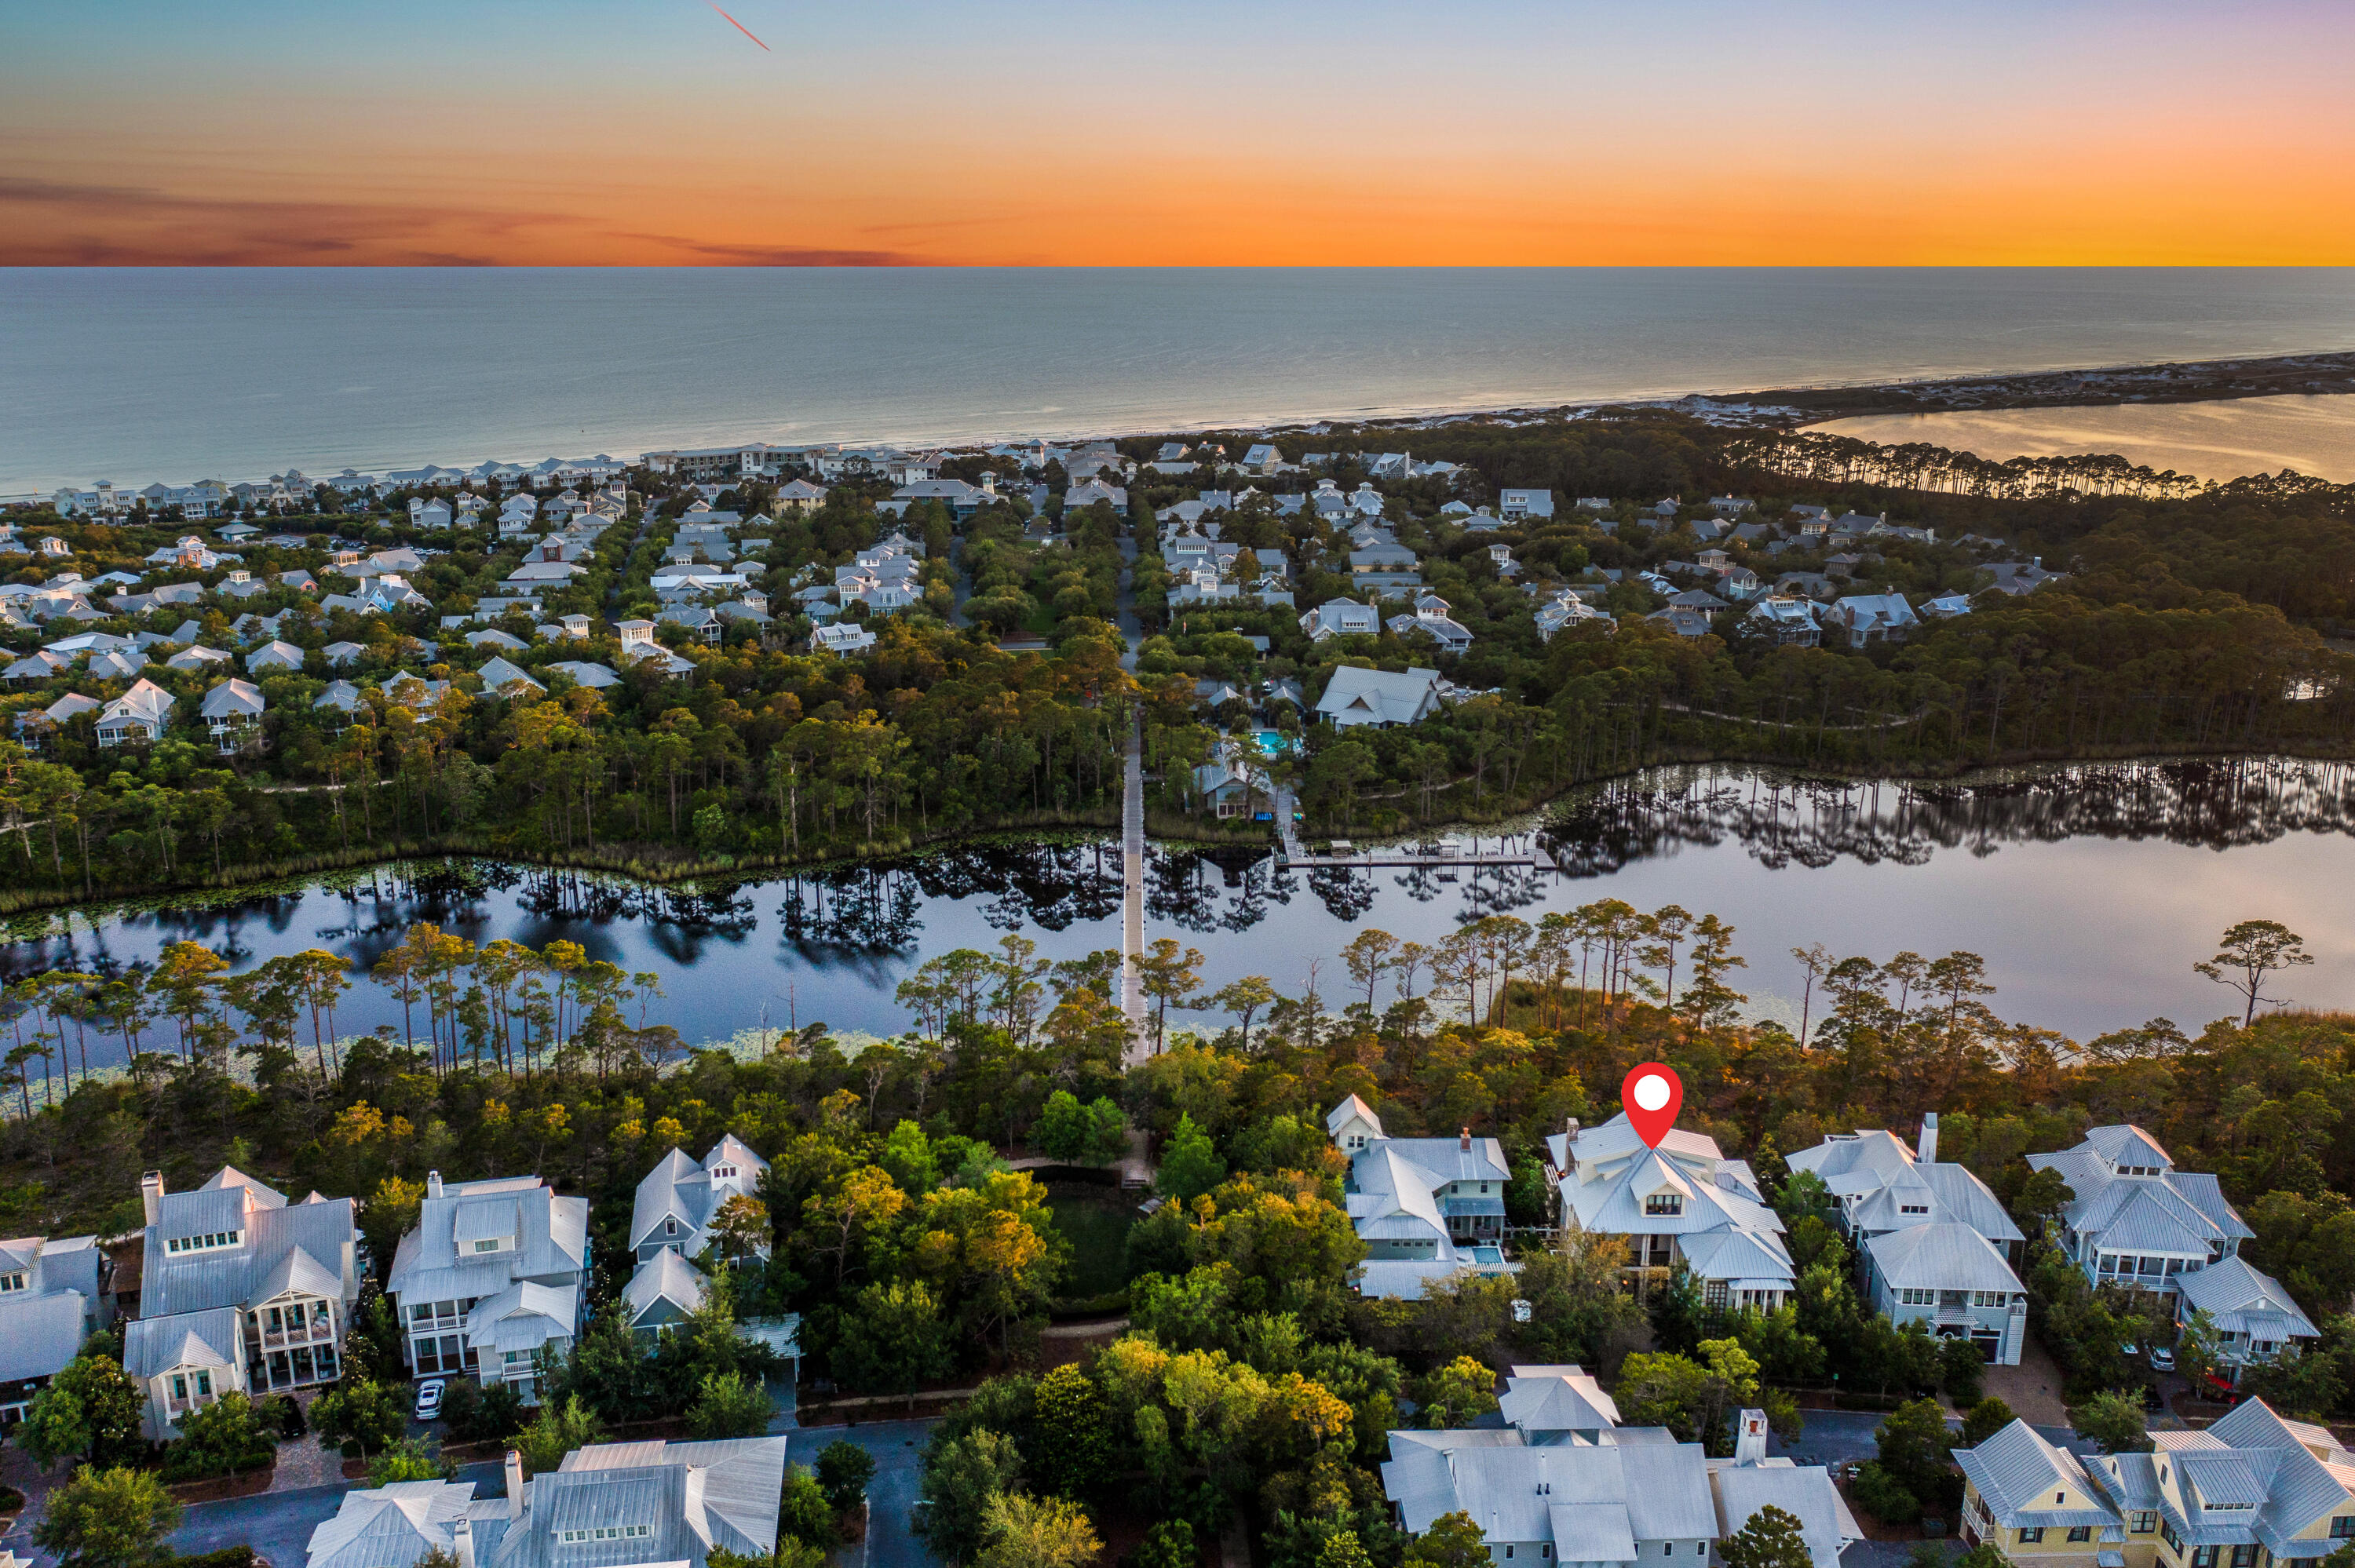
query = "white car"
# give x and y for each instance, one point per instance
(429, 1398)
(2162, 1357)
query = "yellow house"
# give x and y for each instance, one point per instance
(2251, 1492)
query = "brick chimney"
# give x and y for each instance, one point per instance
(151, 1196)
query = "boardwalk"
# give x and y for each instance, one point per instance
(1132, 902)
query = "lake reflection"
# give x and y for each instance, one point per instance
(2090, 891)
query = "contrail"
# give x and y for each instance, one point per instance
(738, 26)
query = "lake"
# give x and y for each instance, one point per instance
(2314, 434)
(2090, 891)
(178, 374)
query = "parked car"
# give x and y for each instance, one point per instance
(2162, 1357)
(429, 1398)
(2130, 1350)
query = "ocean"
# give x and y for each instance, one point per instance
(138, 375)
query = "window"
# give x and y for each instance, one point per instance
(1913, 1208)
(1917, 1297)
(1989, 1298)
(722, 1173)
(2245, 1555)
(620, 1533)
(208, 1242)
(488, 1244)
(1545, 1549)
(2342, 1528)
(2029, 1534)
(204, 1385)
(12, 1282)
(1664, 1204)
(2144, 1521)
(2081, 1532)
(2167, 1534)
(2203, 1557)
(1508, 1552)
(179, 1386)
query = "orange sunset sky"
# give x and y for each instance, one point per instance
(1026, 131)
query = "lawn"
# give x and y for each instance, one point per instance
(1097, 1225)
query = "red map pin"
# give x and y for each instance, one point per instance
(1652, 1095)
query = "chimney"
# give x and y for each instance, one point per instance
(515, 1485)
(1464, 1141)
(462, 1535)
(1750, 1440)
(1926, 1151)
(434, 1183)
(151, 1196)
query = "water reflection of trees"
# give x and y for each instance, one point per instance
(1784, 820)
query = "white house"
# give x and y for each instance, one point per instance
(239, 1291)
(491, 1275)
(1935, 1245)
(2253, 1316)
(1426, 1208)
(679, 1199)
(1378, 697)
(1340, 618)
(1431, 618)
(232, 714)
(2135, 1220)
(1520, 505)
(138, 714)
(1866, 618)
(606, 1506)
(53, 1296)
(1600, 1495)
(841, 639)
(1682, 1202)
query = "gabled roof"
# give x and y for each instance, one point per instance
(208, 1339)
(234, 1277)
(393, 1526)
(1947, 1256)
(1804, 1491)
(2028, 1482)
(1340, 1114)
(552, 1244)
(1556, 1399)
(667, 1276)
(2243, 1301)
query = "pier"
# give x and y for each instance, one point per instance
(1445, 852)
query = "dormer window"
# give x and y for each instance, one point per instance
(489, 1244)
(606, 1533)
(722, 1173)
(1913, 1208)
(211, 1241)
(1664, 1204)
(11, 1282)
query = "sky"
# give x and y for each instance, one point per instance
(1144, 132)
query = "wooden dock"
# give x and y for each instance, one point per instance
(1447, 853)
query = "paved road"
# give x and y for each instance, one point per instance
(897, 1448)
(278, 1525)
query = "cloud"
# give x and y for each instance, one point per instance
(785, 255)
(53, 223)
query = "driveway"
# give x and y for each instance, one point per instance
(2032, 1388)
(897, 1448)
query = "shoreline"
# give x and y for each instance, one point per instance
(248, 883)
(2321, 372)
